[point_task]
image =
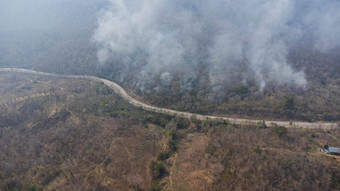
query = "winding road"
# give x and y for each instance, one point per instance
(119, 90)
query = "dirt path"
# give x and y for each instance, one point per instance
(119, 90)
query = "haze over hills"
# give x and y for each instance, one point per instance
(260, 60)
(63, 134)
(49, 35)
(193, 56)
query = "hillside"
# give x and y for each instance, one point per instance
(318, 101)
(73, 134)
(211, 70)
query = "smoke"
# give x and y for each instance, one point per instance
(244, 39)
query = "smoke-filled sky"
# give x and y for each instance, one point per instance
(248, 37)
(241, 41)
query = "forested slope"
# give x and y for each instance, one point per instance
(61, 134)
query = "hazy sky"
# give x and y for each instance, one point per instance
(247, 38)
(46, 32)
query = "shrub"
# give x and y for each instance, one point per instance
(289, 103)
(210, 150)
(32, 188)
(327, 116)
(257, 149)
(243, 90)
(157, 169)
(62, 115)
(163, 155)
(182, 123)
(35, 187)
(173, 144)
(261, 125)
(280, 131)
(156, 187)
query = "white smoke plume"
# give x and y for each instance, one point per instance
(246, 37)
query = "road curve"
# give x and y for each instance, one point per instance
(119, 90)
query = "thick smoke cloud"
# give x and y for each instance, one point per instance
(248, 38)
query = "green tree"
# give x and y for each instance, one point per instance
(157, 169)
(243, 90)
(289, 103)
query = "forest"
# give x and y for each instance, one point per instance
(62, 134)
(67, 45)
(262, 60)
